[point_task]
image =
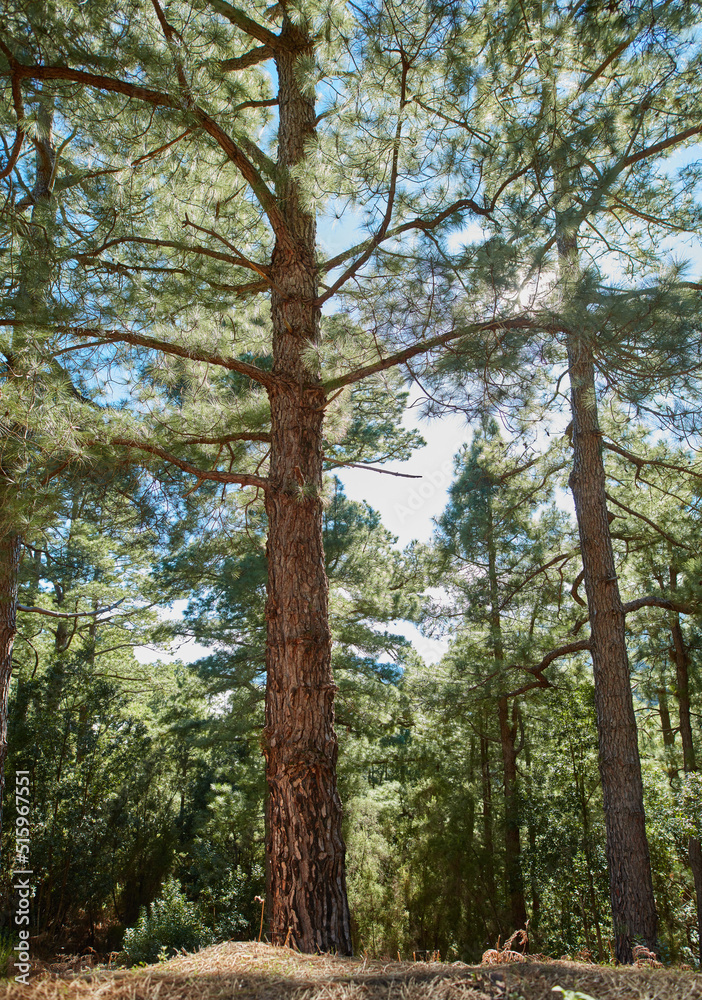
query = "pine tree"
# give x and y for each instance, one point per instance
(196, 81)
(589, 111)
(504, 567)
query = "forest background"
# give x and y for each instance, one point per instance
(516, 181)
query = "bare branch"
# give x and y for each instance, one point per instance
(371, 468)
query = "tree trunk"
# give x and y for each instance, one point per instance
(486, 782)
(33, 269)
(513, 860)
(10, 549)
(508, 733)
(682, 683)
(305, 849)
(631, 886)
(664, 712)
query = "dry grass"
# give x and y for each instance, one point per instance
(244, 971)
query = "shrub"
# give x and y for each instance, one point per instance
(174, 924)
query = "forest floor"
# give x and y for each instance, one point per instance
(250, 971)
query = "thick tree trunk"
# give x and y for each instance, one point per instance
(682, 685)
(631, 887)
(10, 549)
(305, 848)
(513, 854)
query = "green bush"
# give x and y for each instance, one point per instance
(174, 924)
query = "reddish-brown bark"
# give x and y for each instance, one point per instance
(305, 849)
(631, 886)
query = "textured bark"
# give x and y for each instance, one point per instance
(305, 849)
(10, 548)
(631, 887)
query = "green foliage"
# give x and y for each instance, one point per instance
(7, 953)
(174, 924)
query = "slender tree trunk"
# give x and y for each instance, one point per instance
(513, 860)
(631, 886)
(305, 849)
(10, 549)
(682, 679)
(33, 268)
(486, 782)
(508, 733)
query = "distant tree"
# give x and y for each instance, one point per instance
(598, 98)
(504, 567)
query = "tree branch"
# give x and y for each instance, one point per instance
(649, 522)
(639, 462)
(69, 614)
(574, 589)
(263, 378)
(651, 601)
(424, 347)
(250, 58)
(19, 111)
(392, 188)
(157, 98)
(250, 27)
(422, 224)
(371, 468)
(212, 475)
(660, 147)
(238, 261)
(539, 680)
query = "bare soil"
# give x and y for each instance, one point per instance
(250, 971)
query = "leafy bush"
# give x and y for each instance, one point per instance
(174, 923)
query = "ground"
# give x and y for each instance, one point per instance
(250, 971)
